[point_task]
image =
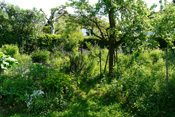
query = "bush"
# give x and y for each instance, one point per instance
(42, 42)
(15, 92)
(57, 82)
(10, 50)
(6, 62)
(23, 58)
(78, 62)
(71, 38)
(40, 56)
(156, 55)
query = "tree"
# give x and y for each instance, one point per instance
(163, 30)
(127, 21)
(17, 25)
(56, 13)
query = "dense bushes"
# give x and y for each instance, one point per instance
(21, 87)
(71, 84)
(40, 56)
(50, 42)
(17, 24)
(42, 42)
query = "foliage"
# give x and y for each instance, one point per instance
(15, 92)
(46, 29)
(10, 50)
(162, 26)
(138, 90)
(40, 56)
(23, 58)
(72, 36)
(17, 25)
(78, 62)
(70, 80)
(43, 42)
(127, 22)
(6, 62)
(60, 62)
(59, 82)
(94, 41)
(56, 14)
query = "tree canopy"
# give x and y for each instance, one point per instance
(17, 24)
(127, 21)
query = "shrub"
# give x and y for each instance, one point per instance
(42, 42)
(156, 55)
(60, 64)
(15, 92)
(38, 72)
(6, 62)
(46, 29)
(40, 56)
(57, 82)
(71, 38)
(23, 58)
(10, 50)
(78, 62)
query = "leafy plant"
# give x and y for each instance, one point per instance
(78, 62)
(15, 91)
(17, 24)
(10, 50)
(57, 82)
(40, 56)
(6, 62)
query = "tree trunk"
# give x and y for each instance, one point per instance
(167, 69)
(111, 58)
(100, 65)
(106, 63)
(52, 28)
(117, 62)
(111, 40)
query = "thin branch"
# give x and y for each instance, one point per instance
(96, 23)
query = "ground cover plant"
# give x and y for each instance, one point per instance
(140, 90)
(127, 73)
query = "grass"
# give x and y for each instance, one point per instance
(137, 89)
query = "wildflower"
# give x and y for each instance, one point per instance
(34, 94)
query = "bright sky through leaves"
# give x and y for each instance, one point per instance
(46, 5)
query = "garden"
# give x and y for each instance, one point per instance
(122, 67)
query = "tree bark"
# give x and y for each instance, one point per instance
(111, 58)
(52, 28)
(106, 63)
(167, 69)
(111, 40)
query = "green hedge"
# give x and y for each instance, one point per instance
(48, 42)
(42, 42)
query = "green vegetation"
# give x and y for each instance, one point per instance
(139, 89)
(65, 73)
(40, 56)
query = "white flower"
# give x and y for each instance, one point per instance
(34, 94)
